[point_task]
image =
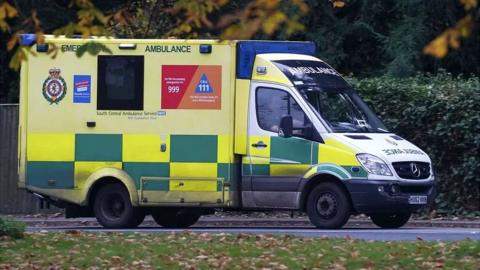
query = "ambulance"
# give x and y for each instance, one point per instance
(177, 129)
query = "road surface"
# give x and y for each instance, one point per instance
(406, 233)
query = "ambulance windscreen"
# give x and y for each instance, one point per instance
(331, 97)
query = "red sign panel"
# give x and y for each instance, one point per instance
(191, 87)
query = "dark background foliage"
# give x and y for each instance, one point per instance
(365, 38)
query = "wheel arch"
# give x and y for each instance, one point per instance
(105, 176)
(315, 180)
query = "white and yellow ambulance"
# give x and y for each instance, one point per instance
(178, 128)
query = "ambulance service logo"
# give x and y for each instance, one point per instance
(54, 87)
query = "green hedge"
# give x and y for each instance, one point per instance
(440, 114)
(11, 228)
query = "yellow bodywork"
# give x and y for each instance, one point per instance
(53, 135)
(164, 155)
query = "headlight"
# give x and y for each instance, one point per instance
(374, 165)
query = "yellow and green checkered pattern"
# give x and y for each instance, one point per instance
(281, 157)
(300, 157)
(70, 159)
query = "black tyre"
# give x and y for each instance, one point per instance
(175, 218)
(328, 207)
(390, 221)
(113, 208)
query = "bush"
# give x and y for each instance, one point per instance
(11, 228)
(440, 114)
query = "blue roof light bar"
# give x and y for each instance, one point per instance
(27, 39)
(247, 50)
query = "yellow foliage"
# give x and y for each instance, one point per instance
(337, 3)
(438, 47)
(469, 4)
(294, 25)
(257, 16)
(12, 42)
(17, 58)
(450, 38)
(273, 21)
(268, 4)
(301, 4)
(83, 3)
(40, 37)
(7, 11)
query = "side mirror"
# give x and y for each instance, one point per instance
(286, 126)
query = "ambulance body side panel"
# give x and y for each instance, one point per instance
(22, 126)
(164, 153)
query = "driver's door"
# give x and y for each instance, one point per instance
(276, 164)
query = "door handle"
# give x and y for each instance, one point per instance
(259, 144)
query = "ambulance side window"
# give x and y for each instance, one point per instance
(120, 83)
(272, 104)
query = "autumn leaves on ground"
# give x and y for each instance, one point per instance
(73, 250)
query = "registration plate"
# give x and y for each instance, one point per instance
(417, 200)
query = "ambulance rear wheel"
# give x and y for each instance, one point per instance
(328, 207)
(176, 218)
(390, 221)
(113, 208)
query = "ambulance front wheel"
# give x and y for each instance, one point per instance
(176, 218)
(328, 206)
(113, 208)
(390, 221)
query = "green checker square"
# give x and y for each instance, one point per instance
(193, 148)
(136, 170)
(39, 173)
(223, 171)
(246, 170)
(314, 153)
(98, 147)
(293, 149)
(160, 185)
(260, 169)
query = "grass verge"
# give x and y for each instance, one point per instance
(206, 251)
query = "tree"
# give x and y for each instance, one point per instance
(363, 37)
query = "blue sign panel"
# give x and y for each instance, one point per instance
(81, 88)
(203, 85)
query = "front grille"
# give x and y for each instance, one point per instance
(414, 189)
(406, 170)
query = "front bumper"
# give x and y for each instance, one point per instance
(376, 196)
